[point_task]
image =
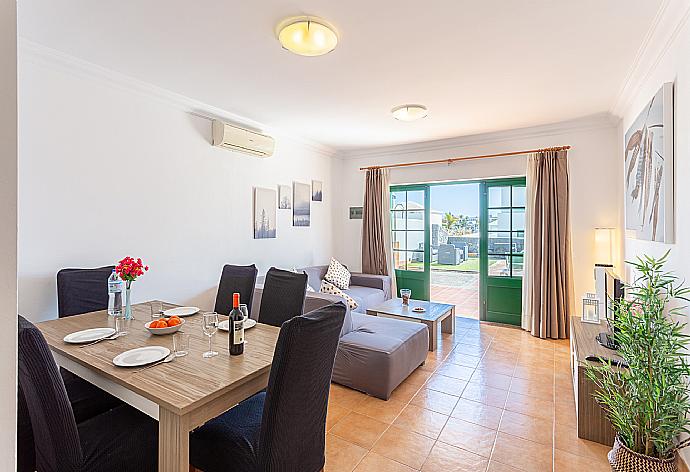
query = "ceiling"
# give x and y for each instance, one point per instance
(479, 66)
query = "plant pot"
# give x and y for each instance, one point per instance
(622, 459)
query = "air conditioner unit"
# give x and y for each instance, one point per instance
(242, 140)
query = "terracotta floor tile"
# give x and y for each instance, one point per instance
(542, 390)
(466, 360)
(418, 377)
(567, 440)
(535, 373)
(373, 462)
(335, 413)
(359, 429)
(527, 427)
(346, 397)
(530, 406)
(382, 410)
(478, 413)
(342, 456)
(470, 349)
(404, 393)
(435, 401)
(497, 367)
(403, 446)
(522, 454)
(446, 458)
(456, 371)
(484, 394)
(491, 379)
(422, 421)
(468, 436)
(567, 462)
(565, 414)
(498, 467)
(445, 384)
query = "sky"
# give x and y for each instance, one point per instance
(461, 199)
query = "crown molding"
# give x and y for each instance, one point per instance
(43, 55)
(597, 121)
(668, 22)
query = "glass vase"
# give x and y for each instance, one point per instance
(128, 301)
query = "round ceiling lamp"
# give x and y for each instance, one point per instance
(307, 36)
(409, 112)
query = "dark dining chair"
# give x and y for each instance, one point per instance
(83, 291)
(117, 440)
(283, 296)
(235, 279)
(79, 291)
(284, 428)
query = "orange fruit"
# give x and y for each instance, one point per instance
(175, 317)
(174, 322)
(153, 324)
(162, 324)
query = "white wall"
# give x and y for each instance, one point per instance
(8, 232)
(107, 168)
(594, 179)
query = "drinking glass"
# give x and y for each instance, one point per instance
(120, 326)
(405, 293)
(210, 326)
(156, 310)
(181, 344)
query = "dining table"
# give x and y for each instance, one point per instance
(181, 395)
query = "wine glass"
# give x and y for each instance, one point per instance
(210, 326)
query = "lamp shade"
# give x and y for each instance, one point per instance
(307, 36)
(603, 246)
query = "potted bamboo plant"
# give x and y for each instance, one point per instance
(647, 403)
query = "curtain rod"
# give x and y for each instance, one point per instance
(468, 158)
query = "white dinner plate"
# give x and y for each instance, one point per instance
(181, 311)
(141, 356)
(88, 335)
(225, 325)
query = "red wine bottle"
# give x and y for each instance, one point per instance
(236, 323)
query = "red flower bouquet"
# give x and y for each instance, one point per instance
(129, 269)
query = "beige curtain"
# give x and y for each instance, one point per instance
(376, 233)
(547, 289)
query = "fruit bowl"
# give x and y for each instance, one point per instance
(167, 330)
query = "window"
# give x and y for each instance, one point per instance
(506, 230)
(408, 219)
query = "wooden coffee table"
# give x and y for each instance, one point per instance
(433, 315)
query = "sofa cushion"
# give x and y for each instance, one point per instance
(366, 297)
(338, 275)
(327, 287)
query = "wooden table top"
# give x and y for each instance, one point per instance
(182, 385)
(433, 310)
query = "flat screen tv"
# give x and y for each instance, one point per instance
(613, 291)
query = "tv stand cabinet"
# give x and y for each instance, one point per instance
(592, 423)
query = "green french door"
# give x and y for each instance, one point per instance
(411, 235)
(501, 253)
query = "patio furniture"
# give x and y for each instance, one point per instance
(181, 395)
(449, 255)
(235, 279)
(434, 314)
(273, 430)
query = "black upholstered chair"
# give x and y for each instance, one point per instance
(79, 291)
(240, 279)
(284, 428)
(120, 439)
(82, 290)
(283, 296)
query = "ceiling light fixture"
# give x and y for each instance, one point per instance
(409, 112)
(307, 36)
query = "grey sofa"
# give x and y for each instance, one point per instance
(366, 289)
(375, 354)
